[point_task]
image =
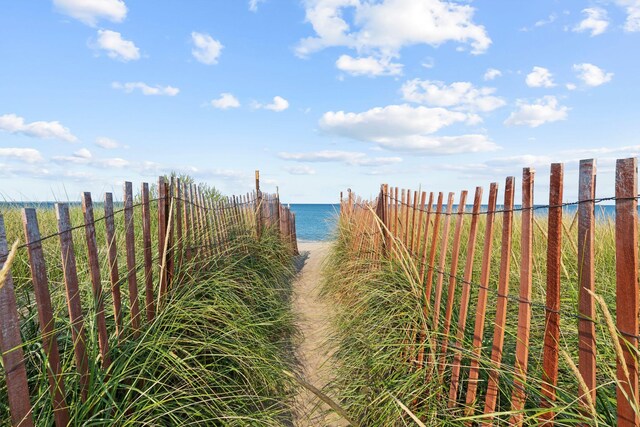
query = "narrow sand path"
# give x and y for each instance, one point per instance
(314, 321)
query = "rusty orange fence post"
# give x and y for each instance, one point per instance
(552, 315)
(627, 288)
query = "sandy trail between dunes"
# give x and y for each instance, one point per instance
(314, 321)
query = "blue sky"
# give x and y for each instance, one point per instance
(320, 95)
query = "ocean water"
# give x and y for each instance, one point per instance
(315, 222)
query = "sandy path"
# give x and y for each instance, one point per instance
(314, 323)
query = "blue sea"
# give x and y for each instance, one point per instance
(315, 222)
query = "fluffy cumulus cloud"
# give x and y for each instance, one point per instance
(300, 170)
(458, 95)
(406, 128)
(206, 49)
(368, 66)
(15, 124)
(541, 111)
(225, 101)
(595, 21)
(592, 75)
(145, 89)
(107, 143)
(540, 77)
(491, 74)
(90, 11)
(385, 27)
(27, 155)
(632, 8)
(116, 47)
(353, 158)
(278, 104)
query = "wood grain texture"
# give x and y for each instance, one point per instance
(491, 396)
(73, 296)
(11, 345)
(552, 315)
(627, 288)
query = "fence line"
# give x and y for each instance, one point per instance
(395, 224)
(191, 227)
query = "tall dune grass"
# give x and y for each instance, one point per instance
(380, 305)
(214, 354)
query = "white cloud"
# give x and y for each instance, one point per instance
(107, 143)
(632, 7)
(353, 158)
(146, 89)
(544, 110)
(596, 21)
(541, 23)
(117, 47)
(540, 77)
(206, 49)
(300, 170)
(592, 75)
(458, 95)
(571, 86)
(83, 153)
(253, 5)
(27, 155)
(406, 128)
(90, 11)
(225, 101)
(278, 104)
(492, 73)
(47, 130)
(368, 66)
(389, 25)
(114, 162)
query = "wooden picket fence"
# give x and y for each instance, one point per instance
(399, 224)
(191, 228)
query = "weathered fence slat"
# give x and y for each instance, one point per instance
(96, 281)
(464, 298)
(453, 280)
(45, 315)
(73, 296)
(11, 345)
(491, 396)
(444, 244)
(552, 315)
(130, 242)
(112, 259)
(163, 198)
(518, 395)
(481, 307)
(147, 252)
(586, 272)
(627, 289)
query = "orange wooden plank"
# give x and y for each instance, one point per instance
(453, 273)
(586, 271)
(491, 397)
(481, 307)
(552, 315)
(444, 244)
(518, 396)
(627, 288)
(464, 299)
